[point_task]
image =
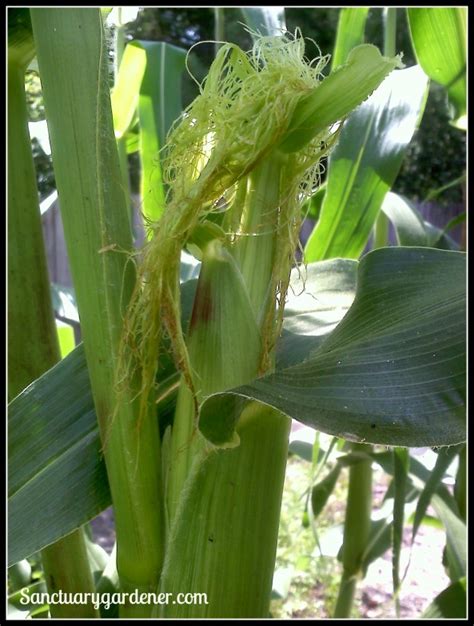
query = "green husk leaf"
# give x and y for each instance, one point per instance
(338, 94)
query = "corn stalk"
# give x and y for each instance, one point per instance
(98, 238)
(32, 339)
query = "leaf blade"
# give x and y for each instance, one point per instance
(419, 397)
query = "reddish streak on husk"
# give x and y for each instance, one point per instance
(202, 309)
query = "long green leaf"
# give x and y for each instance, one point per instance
(125, 94)
(393, 371)
(159, 105)
(365, 163)
(57, 478)
(350, 33)
(439, 39)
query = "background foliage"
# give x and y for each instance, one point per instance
(435, 156)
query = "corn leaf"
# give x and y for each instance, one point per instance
(420, 473)
(392, 372)
(319, 298)
(149, 83)
(125, 94)
(65, 337)
(350, 33)
(57, 477)
(364, 165)
(439, 39)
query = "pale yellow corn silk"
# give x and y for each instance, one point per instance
(242, 113)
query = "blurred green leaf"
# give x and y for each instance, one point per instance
(365, 163)
(379, 541)
(444, 460)
(449, 604)
(439, 40)
(350, 33)
(66, 338)
(148, 82)
(409, 224)
(127, 88)
(456, 537)
(159, 105)
(322, 490)
(410, 227)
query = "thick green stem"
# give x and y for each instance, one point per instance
(356, 530)
(74, 70)
(66, 567)
(32, 339)
(345, 598)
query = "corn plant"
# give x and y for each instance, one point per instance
(176, 408)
